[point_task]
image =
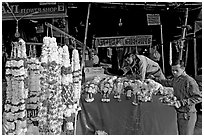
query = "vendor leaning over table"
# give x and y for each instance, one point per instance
(141, 67)
(187, 92)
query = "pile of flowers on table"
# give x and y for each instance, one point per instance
(140, 91)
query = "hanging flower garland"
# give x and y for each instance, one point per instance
(50, 106)
(77, 74)
(55, 106)
(34, 86)
(14, 116)
(43, 99)
(77, 79)
(67, 92)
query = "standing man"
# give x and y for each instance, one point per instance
(154, 54)
(141, 67)
(187, 92)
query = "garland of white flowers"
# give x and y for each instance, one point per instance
(50, 102)
(77, 74)
(77, 79)
(67, 91)
(43, 99)
(14, 116)
(34, 86)
(55, 106)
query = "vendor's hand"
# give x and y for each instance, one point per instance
(177, 104)
(151, 77)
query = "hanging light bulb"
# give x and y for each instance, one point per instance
(17, 34)
(120, 22)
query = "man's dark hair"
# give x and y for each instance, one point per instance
(178, 62)
(127, 55)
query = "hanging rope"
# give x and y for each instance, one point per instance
(47, 31)
(51, 32)
(30, 51)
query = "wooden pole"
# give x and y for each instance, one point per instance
(63, 33)
(195, 55)
(82, 63)
(184, 34)
(85, 37)
(186, 57)
(162, 49)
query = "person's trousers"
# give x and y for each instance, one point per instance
(186, 123)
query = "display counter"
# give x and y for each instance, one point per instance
(124, 118)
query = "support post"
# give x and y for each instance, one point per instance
(85, 37)
(195, 55)
(162, 46)
(183, 34)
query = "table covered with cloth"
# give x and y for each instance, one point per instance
(124, 118)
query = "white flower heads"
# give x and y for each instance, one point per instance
(14, 116)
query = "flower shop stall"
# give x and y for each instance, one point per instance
(42, 94)
(124, 106)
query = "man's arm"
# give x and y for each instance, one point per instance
(142, 69)
(194, 93)
(164, 82)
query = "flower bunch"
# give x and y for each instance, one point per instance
(34, 89)
(77, 74)
(50, 101)
(14, 116)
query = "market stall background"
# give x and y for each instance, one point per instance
(106, 20)
(113, 19)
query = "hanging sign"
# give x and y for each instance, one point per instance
(138, 40)
(153, 19)
(25, 10)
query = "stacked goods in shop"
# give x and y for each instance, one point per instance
(34, 87)
(14, 116)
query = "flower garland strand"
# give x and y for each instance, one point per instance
(34, 87)
(77, 79)
(14, 116)
(43, 99)
(55, 107)
(51, 106)
(67, 92)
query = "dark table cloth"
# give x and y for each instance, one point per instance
(123, 118)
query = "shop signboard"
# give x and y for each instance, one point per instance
(138, 40)
(153, 19)
(25, 10)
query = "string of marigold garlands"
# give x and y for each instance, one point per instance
(14, 116)
(77, 79)
(34, 87)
